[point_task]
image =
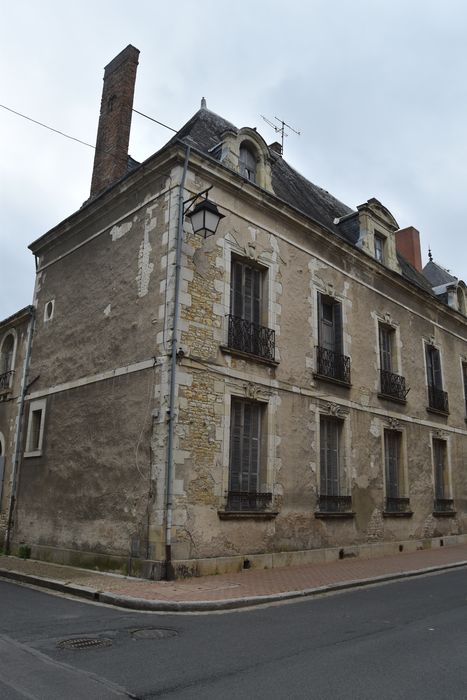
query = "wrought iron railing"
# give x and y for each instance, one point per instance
(332, 365)
(438, 399)
(397, 505)
(248, 500)
(393, 385)
(335, 504)
(251, 338)
(444, 505)
(6, 379)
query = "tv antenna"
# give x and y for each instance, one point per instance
(280, 129)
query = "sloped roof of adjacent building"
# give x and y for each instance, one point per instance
(437, 275)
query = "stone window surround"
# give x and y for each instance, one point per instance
(49, 309)
(38, 405)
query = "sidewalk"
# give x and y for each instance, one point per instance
(229, 591)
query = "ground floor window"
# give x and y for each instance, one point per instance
(396, 498)
(333, 491)
(442, 488)
(247, 456)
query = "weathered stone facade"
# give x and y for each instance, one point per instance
(342, 455)
(15, 333)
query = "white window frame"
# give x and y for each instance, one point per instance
(34, 407)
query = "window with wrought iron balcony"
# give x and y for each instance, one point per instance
(392, 385)
(331, 363)
(437, 397)
(246, 334)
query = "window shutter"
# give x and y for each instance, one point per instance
(385, 348)
(235, 445)
(391, 445)
(329, 458)
(439, 459)
(245, 446)
(337, 321)
(236, 290)
(437, 379)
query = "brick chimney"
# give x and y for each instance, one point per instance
(408, 245)
(113, 132)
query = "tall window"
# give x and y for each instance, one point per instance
(379, 247)
(6, 361)
(331, 362)
(246, 311)
(247, 163)
(246, 291)
(396, 500)
(246, 448)
(332, 492)
(443, 499)
(437, 398)
(392, 384)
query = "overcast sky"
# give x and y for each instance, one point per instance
(378, 89)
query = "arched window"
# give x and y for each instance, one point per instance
(7, 354)
(247, 162)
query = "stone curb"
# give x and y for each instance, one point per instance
(148, 605)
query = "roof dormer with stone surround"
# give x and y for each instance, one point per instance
(246, 152)
(377, 228)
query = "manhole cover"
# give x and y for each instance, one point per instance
(85, 643)
(153, 633)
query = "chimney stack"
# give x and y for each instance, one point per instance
(113, 133)
(408, 245)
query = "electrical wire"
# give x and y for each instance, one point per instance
(50, 128)
(155, 120)
(73, 138)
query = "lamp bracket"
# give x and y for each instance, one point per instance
(192, 200)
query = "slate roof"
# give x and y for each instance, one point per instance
(204, 132)
(437, 275)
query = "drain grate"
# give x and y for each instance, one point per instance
(84, 643)
(153, 633)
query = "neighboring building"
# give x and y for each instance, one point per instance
(311, 404)
(15, 338)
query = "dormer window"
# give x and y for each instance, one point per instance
(247, 161)
(379, 247)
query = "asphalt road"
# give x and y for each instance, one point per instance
(399, 640)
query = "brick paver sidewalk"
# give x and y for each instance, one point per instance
(246, 584)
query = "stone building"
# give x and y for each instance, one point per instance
(15, 343)
(287, 389)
